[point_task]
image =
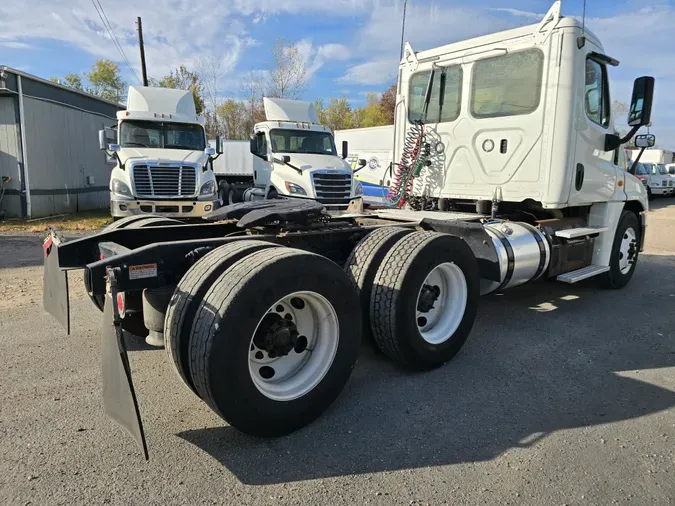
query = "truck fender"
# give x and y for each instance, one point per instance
(473, 234)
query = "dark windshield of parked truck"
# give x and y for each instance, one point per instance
(158, 134)
(302, 141)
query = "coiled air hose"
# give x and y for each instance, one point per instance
(413, 159)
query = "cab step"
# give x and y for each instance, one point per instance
(573, 233)
(581, 274)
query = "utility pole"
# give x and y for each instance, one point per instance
(140, 43)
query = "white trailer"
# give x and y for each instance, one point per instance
(233, 170)
(659, 156)
(375, 146)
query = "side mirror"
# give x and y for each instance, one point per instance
(210, 151)
(282, 159)
(254, 145)
(641, 104)
(219, 144)
(362, 163)
(345, 150)
(102, 140)
(645, 141)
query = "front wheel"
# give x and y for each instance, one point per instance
(275, 340)
(625, 251)
(650, 195)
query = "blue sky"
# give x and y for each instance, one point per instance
(351, 46)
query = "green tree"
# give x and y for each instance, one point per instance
(70, 80)
(338, 114)
(373, 113)
(183, 79)
(234, 116)
(106, 81)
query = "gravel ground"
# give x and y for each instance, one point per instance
(562, 395)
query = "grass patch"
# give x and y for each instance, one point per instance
(85, 220)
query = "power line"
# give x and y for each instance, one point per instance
(109, 29)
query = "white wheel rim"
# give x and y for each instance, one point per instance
(438, 324)
(299, 371)
(629, 238)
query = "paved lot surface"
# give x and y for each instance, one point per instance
(562, 395)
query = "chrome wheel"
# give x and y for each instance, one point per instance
(293, 346)
(441, 303)
(628, 250)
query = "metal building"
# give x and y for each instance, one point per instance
(49, 146)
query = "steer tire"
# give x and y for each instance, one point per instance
(395, 292)
(228, 319)
(614, 278)
(189, 294)
(363, 263)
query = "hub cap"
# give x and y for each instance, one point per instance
(293, 346)
(441, 303)
(628, 251)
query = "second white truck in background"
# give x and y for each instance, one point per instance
(291, 155)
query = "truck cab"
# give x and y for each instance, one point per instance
(162, 160)
(518, 116)
(295, 156)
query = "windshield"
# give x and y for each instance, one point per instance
(299, 141)
(157, 134)
(662, 169)
(641, 170)
(650, 168)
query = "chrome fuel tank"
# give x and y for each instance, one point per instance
(523, 252)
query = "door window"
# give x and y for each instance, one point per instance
(261, 144)
(596, 93)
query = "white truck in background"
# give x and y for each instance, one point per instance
(375, 146)
(289, 155)
(162, 161)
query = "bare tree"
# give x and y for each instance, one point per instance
(209, 69)
(288, 78)
(619, 109)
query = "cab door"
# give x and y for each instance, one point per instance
(594, 175)
(262, 159)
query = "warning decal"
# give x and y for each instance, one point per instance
(143, 271)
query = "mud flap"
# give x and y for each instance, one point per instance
(119, 397)
(55, 283)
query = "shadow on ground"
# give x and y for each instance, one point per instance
(20, 251)
(541, 358)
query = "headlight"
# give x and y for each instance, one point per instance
(208, 188)
(294, 189)
(358, 188)
(120, 188)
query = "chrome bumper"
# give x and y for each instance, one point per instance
(168, 208)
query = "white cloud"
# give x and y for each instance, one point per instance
(13, 44)
(372, 73)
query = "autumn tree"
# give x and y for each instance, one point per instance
(338, 114)
(388, 103)
(106, 81)
(289, 75)
(234, 116)
(69, 80)
(183, 79)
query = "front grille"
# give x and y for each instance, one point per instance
(332, 187)
(158, 181)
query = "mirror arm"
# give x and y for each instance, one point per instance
(637, 159)
(613, 141)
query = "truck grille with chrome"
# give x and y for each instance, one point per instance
(332, 187)
(165, 181)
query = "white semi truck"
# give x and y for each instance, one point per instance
(289, 155)
(507, 171)
(162, 161)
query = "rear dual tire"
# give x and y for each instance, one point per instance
(241, 362)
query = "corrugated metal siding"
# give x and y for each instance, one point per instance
(62, 150)
(10, 153)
